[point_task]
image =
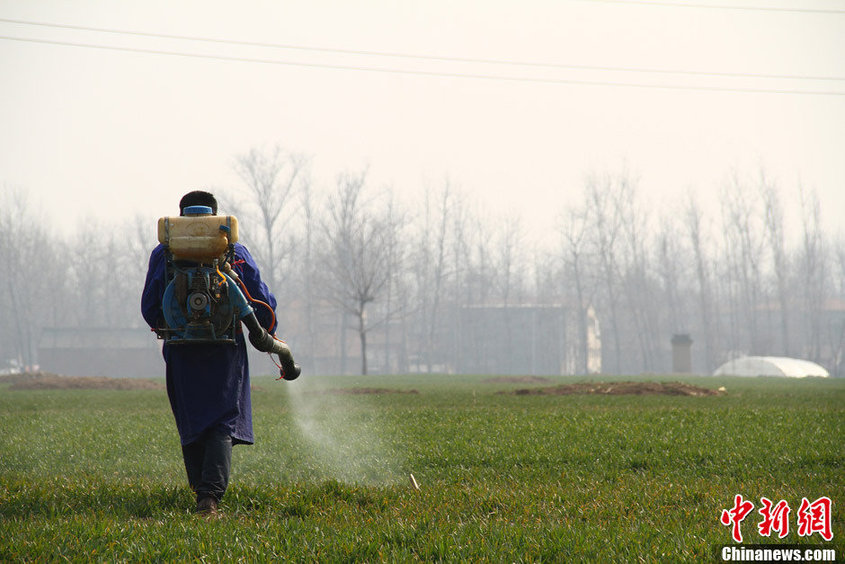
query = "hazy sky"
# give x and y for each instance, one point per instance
(514, 101)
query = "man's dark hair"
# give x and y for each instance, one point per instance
(198, 198)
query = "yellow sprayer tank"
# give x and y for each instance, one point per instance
(199, 238)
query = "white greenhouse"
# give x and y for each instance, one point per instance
(771, 366)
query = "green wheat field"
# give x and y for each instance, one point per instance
(97, 475)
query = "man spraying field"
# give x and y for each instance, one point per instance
(201, 286)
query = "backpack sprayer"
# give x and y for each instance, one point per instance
(204, 298)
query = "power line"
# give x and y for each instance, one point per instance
(502, 62)
(424, 73)
(722, 6)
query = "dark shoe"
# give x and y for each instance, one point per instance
(207, 506)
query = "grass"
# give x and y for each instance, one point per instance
(97, 475)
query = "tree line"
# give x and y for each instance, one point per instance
(369, 282)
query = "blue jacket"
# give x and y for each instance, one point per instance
(208, 384)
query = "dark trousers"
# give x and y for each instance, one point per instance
(208, 461)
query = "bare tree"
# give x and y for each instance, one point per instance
(479, 263)
(839, 267)
(508, 272)
(396, 294)
(430, 251)
(694, 220)
(574, 238)
(744, 247)
(671, 269)
(34, 291)
(837, 338)
(271, 180)
(605, 232)
(460, 288)
(508, 267)
(643, 305)
(140, 237)
(775, 235)
(356, 254)
(814, 272)
(309, 269)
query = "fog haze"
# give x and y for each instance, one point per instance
(106, 117)
(545, 187)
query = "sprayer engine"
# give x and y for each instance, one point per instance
(203, 302)
(197, 307)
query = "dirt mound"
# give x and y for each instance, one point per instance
(622, 388)
(49, 381)
(516, 380)
(365, 391)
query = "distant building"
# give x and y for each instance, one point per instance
(115, 352)
(527, 339)
(491, 339)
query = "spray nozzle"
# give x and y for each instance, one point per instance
(289, 370)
